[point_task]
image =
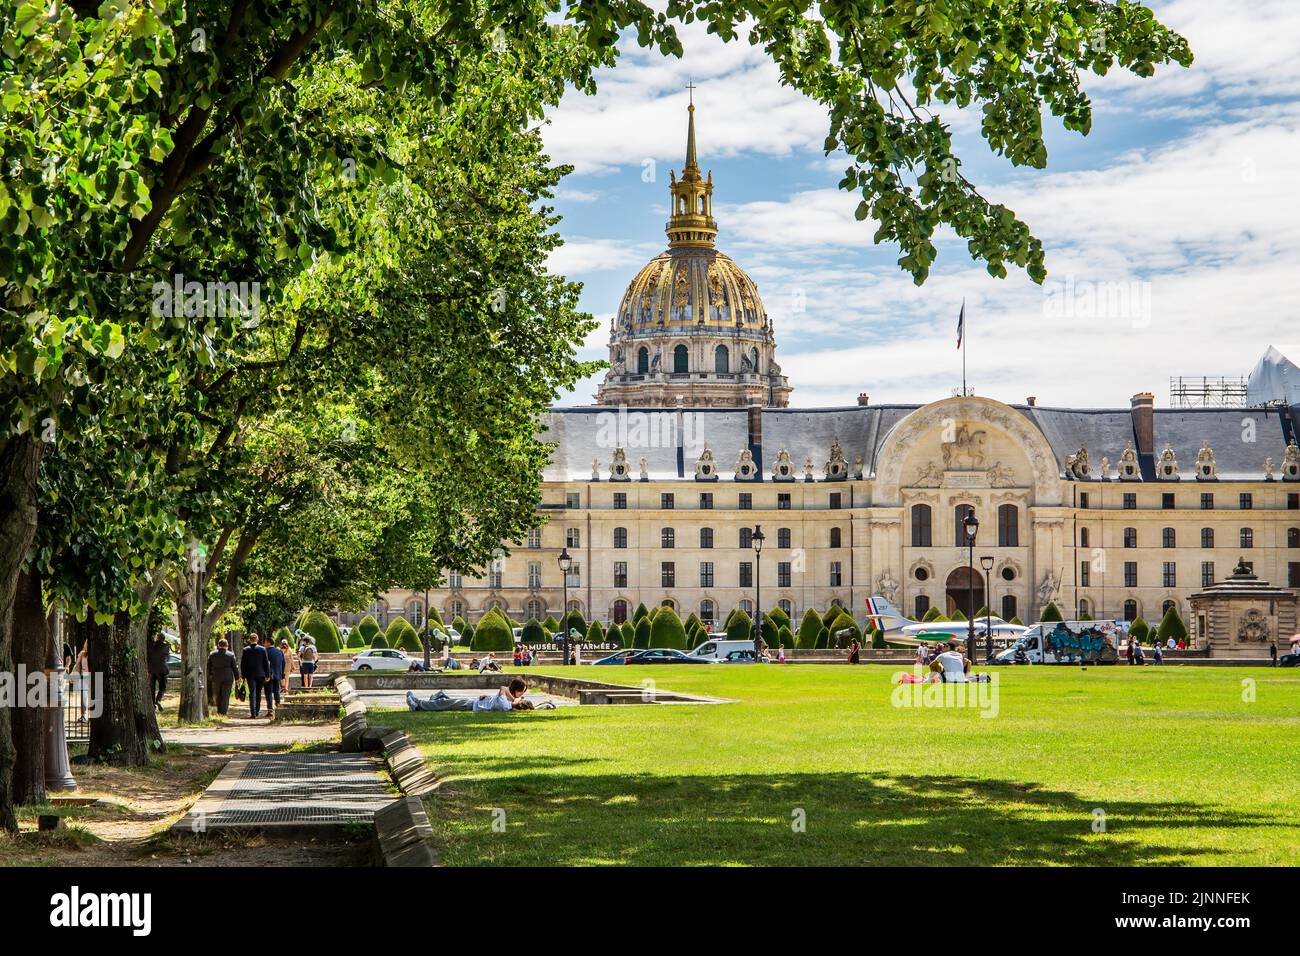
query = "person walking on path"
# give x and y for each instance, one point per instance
(1272, 652)
(223, 671)
(289, 662)
(307, 659)
(256, 668)
(156, 659)
(275, 674)
(1158, 656)
(1137, 655)
(1129, 653)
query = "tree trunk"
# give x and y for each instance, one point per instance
(139, 638)
(120, 733)
(32, 653)
(194, 652)
(20, 460)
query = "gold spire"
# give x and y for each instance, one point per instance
(691, 222)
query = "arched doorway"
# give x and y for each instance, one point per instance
(959, 585)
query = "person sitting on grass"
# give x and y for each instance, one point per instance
(508, 698)
(488, 664)
(954, 665)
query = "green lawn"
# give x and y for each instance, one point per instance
(1185, 770)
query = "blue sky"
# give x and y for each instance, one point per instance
(1172, 230)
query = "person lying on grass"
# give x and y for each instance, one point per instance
(509, 698)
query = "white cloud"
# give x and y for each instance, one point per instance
(581, 255)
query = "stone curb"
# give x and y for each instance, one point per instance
(403, 836)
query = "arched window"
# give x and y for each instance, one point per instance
(721, 359)
(1293, 537)
(1165, 608)
(1247, 538)
(783, 538)
(620, 537)
(1085, 611)
(535, 610)
(746, 537)
(1130, 610)
(1008, 526)
(787, 607)
(747, 606)
(835, 537)
(959, 517)
(1008, 606)
(921, 607)
(921, 525)
(1130, 537)
(1207, 537)
(415, 614)
(667, 538)
(706, 537)
(681, 359)
(455, 609)
(1168, 538)
(668, 602)
(642, 360)
(707, 611)
(619, 612)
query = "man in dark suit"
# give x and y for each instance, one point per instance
(223, 671)
(276, 671)
(256, 668)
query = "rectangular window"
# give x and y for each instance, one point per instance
(1168, 538)
(1244, 501)
(783, 538)
(746, 501)
(1130, 574)
(1008, 606)
(455, 581)
(535, 538)
(922, 606)
(1207, 573)
(1130, 501)
(494, 577)
(574, 576)
(620, 574)
(1293, 502)
(1207, 501)
(746, 574)
(1170, 574)
(573, 500)
(573, 537)
(835, 501)
(706, 500)
(668, 574)
(620, 501)
(1207, 537)
(835, 574)
(1084, 580)
(706, 574)
(783, 501)
(783, 574)
(1130, 537)
(1167, 501)
(666, 501)
(1293, 574)
(746, 537)
(620, 537)
(534, 575)
(1083, 499)
(706, 537)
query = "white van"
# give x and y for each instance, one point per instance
(717, 650)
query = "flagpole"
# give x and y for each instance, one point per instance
(963, 348)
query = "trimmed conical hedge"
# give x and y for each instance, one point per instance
(1172, 625)
(1139, 630)
(642, 636)
(932, 615)
(594, 634)
(809, 629)
(739, 626)
(639, 613)
(551, 624)
(781, 618)
(667, 630)
(533, 632)
(379, 641)
(1051, 613)
(402, 635)
(367, 627)
(493, 634)
(845, 623)
(784, 637)
(323, 630)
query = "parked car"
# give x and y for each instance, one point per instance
(667, 655)
(173, 664)
(621, 657)
(1289, 660)
(739, 657)
(382, 659)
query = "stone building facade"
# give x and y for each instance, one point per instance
(654, 492)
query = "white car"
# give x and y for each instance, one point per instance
(381, 659)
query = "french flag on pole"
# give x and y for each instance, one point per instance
(961, 322)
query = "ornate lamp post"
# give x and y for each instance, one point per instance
(566, 562)
(757, 542)
(428, 634)
(971, 524)
(986, 562)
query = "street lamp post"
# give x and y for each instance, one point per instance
(986, 562)
(428, 634)
(971, 524)
(757, 542)
(566, 562)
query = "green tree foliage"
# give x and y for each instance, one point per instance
(842, 623)
(878, 639)
(1051, 613)
(809, 628)
(823, 637)
(1171, 625)
(667, 630)
(402, 635)
(533, 632)
(594, 633)
(1016, 620)
(493, 634)
(1138, 630)
(467, 635)
(641, 638)
(784, 637)
(379, 641)
(551, 624)
(780, 618)
(934, 614)
(323, 630)
(739, 626)
(368, 628)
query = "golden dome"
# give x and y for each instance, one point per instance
(690, 286)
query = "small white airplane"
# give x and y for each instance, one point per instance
(900, 630)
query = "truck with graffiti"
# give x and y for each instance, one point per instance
(1064, 642)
